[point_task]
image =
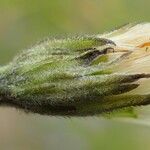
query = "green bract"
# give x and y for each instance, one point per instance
(72, 76)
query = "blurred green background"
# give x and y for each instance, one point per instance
(23, 23)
